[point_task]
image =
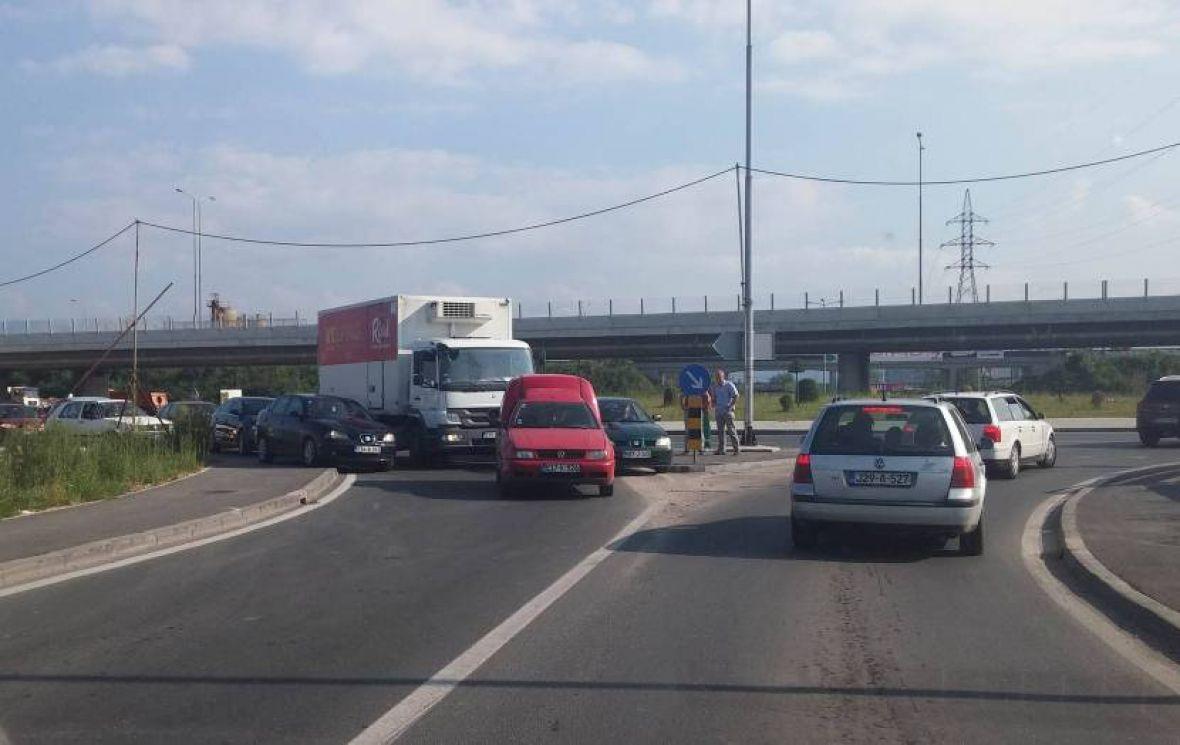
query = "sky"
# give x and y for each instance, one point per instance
(392, 120)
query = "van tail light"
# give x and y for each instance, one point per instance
(991, 432)
(802, 469)
(963, 473)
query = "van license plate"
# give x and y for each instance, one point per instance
(888, 479)
(561, 468)
(368, 449)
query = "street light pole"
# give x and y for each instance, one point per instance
(920, 151)
(198, 278)
(748, 268)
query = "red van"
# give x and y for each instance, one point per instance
(551, 431)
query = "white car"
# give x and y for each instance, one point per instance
(909, 464)
(95, 415)
(1007, 430)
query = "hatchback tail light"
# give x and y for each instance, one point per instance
(963, 473)
(802, 469)
(991, 432)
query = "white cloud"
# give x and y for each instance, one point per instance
(115, 60)
(833, 49)
(432, 40)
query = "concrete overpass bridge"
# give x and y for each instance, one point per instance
(853, 333)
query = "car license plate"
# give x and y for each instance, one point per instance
(561, 468)
(888, 479)
(368, 449)
(489, 435)
(636, 453)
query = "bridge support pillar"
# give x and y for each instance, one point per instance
(852, 372)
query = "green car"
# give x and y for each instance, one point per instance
(638, 439)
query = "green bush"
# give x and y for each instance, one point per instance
(609, 377)
(53, 468)
(808, 390)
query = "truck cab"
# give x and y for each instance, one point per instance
(455, 386)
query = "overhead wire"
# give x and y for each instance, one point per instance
(973, 180)
(68, 261)
(448, 239)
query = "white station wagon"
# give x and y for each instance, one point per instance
(96, 415)
(908, 464)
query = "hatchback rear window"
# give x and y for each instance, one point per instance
(882, 429)
(1164, 391)
(974, 410)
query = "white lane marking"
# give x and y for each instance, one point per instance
(1158, 667)
(328, 498)
(394, 723)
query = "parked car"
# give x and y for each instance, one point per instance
(638, 439)
(324, 429)
(909, 464)
(551, 431)
(233, 423)
(95, 415)
(196, 414)
(19, 416)
(1008, 432)
(1158, 414)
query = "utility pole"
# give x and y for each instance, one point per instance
(967, 243)
(920, 266)
(748, 437)
(134, 383)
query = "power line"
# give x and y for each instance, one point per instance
(449, 239)
(68, 261)
(975, 180)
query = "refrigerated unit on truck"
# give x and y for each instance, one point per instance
(433, 368)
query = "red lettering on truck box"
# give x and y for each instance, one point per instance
(365, 333)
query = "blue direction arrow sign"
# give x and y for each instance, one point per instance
(694, 380)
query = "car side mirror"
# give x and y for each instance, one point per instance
(657, 417)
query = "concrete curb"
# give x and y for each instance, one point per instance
(722, 467)
(1087, 566)
(108, 550)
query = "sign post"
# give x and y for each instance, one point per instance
(694, 382)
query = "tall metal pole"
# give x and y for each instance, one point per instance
(748, 268)
(920, 268)
(200, 258)
(134, 393)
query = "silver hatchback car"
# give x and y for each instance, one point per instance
(906, 463)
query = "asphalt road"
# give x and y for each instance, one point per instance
(705, 627)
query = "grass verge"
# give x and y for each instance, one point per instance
(47, 469)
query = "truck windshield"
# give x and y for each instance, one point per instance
(481, 369)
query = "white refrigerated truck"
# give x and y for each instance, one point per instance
(433, 368)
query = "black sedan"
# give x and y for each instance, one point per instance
(638, 439)
(233, 423)
(324, 429)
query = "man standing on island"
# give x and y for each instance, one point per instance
(725, 396)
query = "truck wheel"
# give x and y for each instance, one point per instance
(1148, 438)
(606, 490)
(971, 543)
(264, 454)
(309, 453)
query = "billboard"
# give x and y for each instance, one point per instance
(362, 333)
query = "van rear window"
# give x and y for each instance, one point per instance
(882, 429)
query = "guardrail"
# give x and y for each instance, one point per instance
(1063, 291)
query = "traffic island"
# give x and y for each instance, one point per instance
(1119, 542)
(231, 494)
